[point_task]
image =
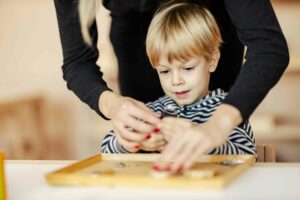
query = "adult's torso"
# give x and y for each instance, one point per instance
(125, 6)
(126, 17)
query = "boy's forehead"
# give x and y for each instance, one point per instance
(165, 62)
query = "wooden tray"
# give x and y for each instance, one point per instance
(135, 170)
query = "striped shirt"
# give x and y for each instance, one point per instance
(240, 141)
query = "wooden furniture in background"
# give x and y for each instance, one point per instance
(21, 127)
(266, 153)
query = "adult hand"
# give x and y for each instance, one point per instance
(132, 120)
(190, 141)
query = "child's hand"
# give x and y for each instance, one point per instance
(156, 142)
(172, 126)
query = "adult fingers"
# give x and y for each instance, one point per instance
(130, 146)
(201, 149)
(139, 126)
(192, 158)
(188, 155)
(170, 152)
(129, 134)
(142, 112)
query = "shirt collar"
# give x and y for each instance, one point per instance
(200, 103)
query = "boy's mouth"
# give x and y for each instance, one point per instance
(182, 94)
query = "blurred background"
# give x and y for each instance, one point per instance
(41, 119)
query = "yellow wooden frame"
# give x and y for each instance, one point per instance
(2, 178)
(68, 175)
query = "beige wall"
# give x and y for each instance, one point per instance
(30, 63)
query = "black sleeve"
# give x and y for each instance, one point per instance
(267, 53)
(80, 71)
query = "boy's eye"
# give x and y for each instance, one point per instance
(188, 68)
(163, 71)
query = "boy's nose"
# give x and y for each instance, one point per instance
(177, 80)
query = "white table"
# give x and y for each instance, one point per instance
(25, 180)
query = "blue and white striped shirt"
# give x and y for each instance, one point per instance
(240, 141)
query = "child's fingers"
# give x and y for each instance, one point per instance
(156, 137)
(153, 145)
(169, 129)
(168, 135)
(167, 125)
(162, 145)
(173, 123)
(161, 148)
(172, 126)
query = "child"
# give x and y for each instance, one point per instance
(183, 43)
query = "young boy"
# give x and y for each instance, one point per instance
(183, 43)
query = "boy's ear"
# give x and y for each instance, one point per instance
(214, 60)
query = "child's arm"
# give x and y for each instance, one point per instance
(240, 141)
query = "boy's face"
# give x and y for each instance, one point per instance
(185, 82)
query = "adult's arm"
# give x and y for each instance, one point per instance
(267, 53)
(80, 71)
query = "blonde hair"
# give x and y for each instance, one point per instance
(87, 13)
(180, 30)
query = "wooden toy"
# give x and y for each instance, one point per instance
(212, 171)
